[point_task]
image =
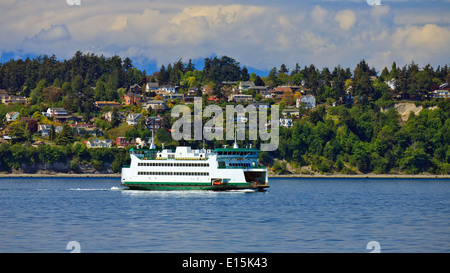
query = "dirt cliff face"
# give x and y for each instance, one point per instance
(404, 109)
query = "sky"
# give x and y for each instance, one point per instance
(259, 34)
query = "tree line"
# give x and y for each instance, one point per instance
(18, 156)
(354, 136)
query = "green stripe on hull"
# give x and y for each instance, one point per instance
(190, 186)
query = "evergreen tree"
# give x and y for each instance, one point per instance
(52, 133)
(66, 136)
(244, 74)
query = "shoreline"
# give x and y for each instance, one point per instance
(435, 176)
(118, 175)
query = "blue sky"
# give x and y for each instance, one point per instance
(259, 34)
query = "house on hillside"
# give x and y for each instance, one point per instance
(133, 118)
(259, 89)
(290, 112)
(153, 123)
(155, 105)
(13, 99)
(110, 104)
(97, 143)
(122, 142)
(281, 91)
(286, 122)
(44, 129)
(442, 94)
(135, 88)
(133, 98)
(391, 83)
(12, 116)
(307, 101)
(109, 116)
(169, 89)
(245, 85)
(58, 114)
(240, 98)
(207, 89)
(151, 87)
(53, 112)
(260, 105)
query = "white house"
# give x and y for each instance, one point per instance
(133, 118)
(243, 86)
(44, 129)
(53, 112)
(151, 86)
(440, 94)
(240, 98)
(12, 116)
(13, 99)
(391, 83)
(286, 122)
(155, 105)
(97, 143)
(290, 112)
(169, 89)
(308, 101)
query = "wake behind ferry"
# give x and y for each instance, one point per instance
(188, 169)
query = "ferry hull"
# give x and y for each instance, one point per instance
(190, 186)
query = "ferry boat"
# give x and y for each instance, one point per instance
(188, 169)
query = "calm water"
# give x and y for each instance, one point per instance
(294, 215)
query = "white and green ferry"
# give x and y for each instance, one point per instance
(189, 169)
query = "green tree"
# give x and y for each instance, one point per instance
(66, 136)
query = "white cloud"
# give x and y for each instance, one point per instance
(318, 15)
(259, 34)
(346, 19)
(53, 34)
(428, 43)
